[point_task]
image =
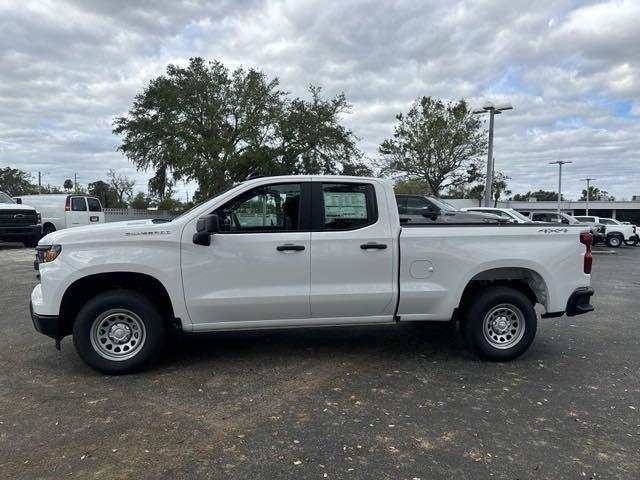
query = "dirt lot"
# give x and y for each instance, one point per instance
(398, 402)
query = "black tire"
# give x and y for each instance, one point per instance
(632, 242)
(614, 241)
(116, 308)
(492, 301)
(31, 242)
(47, 229)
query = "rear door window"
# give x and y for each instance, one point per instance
(348, 206)
(94, 204)
(78, 204)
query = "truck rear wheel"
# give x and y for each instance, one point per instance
(119, 331)
(614, 241)
(632, 242)
(500, 323)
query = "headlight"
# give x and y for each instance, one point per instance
(47, 253)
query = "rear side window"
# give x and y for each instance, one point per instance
(347, 206)
(94, 204)
(78, 204)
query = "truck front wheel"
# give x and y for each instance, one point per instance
(614, 241)
(500, 323)
(119, 331)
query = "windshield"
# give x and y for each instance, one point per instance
(572, 221)
(4, 198)
(443, 205)
(518, 215)
(609, 221)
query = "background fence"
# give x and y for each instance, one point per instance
(121, 214)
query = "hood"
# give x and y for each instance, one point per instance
(102, 231)
(16, 206)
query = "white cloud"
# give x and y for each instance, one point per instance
(571, 72)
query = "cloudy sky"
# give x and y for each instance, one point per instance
(571, 69)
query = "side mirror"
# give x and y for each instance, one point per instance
(431, 212)
(19, 201)
(206, 226)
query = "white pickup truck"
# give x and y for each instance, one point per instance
(301, 251)
(617, 232)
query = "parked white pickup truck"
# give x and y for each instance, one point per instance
(302, 251)
(617, 232)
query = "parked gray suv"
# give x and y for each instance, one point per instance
(423, 209)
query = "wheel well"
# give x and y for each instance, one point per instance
(524, 280)
(45, 224)
(84, 289)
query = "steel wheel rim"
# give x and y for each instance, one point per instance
(118, 334)
(503, 326)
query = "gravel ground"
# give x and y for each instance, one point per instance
(392, 402)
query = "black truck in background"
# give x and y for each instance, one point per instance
(19, 223)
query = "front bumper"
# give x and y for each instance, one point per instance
(579, 302)
(49, 325)
(20, 232)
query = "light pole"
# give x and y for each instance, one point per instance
(492, 110)
(588, 180)
(560, 163)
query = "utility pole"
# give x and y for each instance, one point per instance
(492, 110)
(75, 182)
(560, 163)
(39, 183)
(588, 180)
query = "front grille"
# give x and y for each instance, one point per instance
(12, 218)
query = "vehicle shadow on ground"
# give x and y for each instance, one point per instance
(13, 246)
(409, 340)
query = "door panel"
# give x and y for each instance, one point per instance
(257, 267)
(351, 254)
(78, 215)
(245, 277)
(96, 215)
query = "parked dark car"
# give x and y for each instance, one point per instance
(18, 223)
(424, 209)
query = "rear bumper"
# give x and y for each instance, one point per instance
(47, 324)
(579, 302)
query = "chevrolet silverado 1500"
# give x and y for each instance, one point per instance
(302, 251)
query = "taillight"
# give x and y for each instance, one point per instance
(67, 205)
(586, 238)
